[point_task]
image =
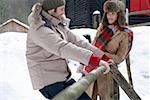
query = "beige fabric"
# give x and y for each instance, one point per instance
(89, 91)
(107, 88)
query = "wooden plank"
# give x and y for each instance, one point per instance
(129, 70)
(119, 78)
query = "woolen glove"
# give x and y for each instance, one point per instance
(105, 57)
(106, 65)
(95, 61)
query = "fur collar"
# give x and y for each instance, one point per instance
(36, 18)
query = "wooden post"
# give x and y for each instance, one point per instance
(96, 19)
(128, 57)
(129, 70)
(121, 81)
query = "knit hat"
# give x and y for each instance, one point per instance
(115, 6)
(52, 4)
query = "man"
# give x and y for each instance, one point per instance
(50, 43)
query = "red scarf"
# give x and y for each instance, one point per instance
(106, 35)
(108, 32)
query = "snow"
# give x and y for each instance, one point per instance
(15, 83)
(96, 12)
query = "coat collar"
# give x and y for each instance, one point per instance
(118, 32)
(54, 20)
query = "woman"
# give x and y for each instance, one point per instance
(113, 38)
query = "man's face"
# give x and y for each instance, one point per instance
(58, 12)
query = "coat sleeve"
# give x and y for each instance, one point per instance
(75, 39)
(52, 42)
(121, 52)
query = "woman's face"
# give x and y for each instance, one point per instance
(112, 17)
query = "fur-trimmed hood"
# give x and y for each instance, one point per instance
(38, 13)
(35, 19)
(35, 16)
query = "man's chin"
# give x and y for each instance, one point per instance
(61, 16)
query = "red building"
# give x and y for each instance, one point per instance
(139, 5)
(139, 10)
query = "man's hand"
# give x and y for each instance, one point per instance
(106, 65)
(110, 61)
(80, 69)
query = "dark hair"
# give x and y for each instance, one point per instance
(120, 19)
(105, 20)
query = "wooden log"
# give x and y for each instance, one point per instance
(119, 78)
(74, 91)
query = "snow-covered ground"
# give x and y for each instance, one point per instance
(15, 82)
